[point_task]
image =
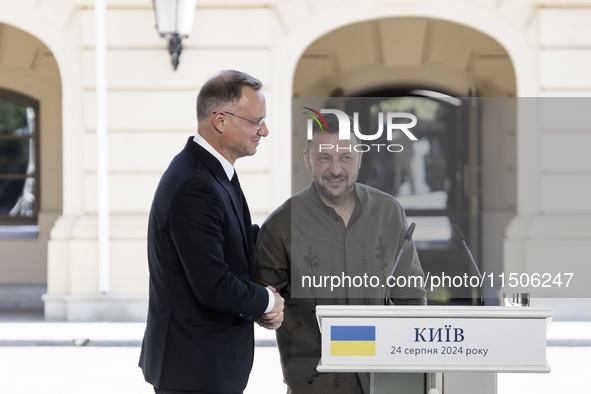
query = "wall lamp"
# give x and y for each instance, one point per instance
(174, 20)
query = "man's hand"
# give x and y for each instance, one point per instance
(273, 319)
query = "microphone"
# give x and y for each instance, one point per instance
(461, 239)
(405, 241)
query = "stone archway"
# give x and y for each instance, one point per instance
(29, 68)
(430, 55)
(46, 66)
(484, 51)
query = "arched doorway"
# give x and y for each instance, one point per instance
(30, 96)
(421, 62)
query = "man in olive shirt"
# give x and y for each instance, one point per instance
(336, 228)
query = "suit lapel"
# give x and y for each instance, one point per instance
(240, 209)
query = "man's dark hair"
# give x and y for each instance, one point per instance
(331, 127)
(224, 89)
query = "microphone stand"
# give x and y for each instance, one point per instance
(462, 240)
(407, 237)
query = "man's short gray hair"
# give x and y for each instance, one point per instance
(222, 90)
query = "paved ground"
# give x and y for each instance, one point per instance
(39, 357)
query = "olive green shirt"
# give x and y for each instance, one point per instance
(304, 238)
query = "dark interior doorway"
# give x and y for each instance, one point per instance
(429, 178)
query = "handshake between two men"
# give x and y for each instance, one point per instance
(273, 319)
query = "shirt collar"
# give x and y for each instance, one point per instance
(228, 168)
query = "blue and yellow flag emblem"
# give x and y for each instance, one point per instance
(352, 340)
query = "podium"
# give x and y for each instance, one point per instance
(426, 349)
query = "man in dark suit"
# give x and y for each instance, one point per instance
(202, 305)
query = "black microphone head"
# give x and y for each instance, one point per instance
(458, 234)
(411, 229)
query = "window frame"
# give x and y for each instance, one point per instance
(26, 101)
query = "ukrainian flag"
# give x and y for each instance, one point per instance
(353, 340)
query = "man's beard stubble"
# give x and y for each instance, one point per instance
(328, 195)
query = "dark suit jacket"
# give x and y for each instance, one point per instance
(199, 333)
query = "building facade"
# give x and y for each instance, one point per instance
(535, 183)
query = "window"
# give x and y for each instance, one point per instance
(19, 147)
